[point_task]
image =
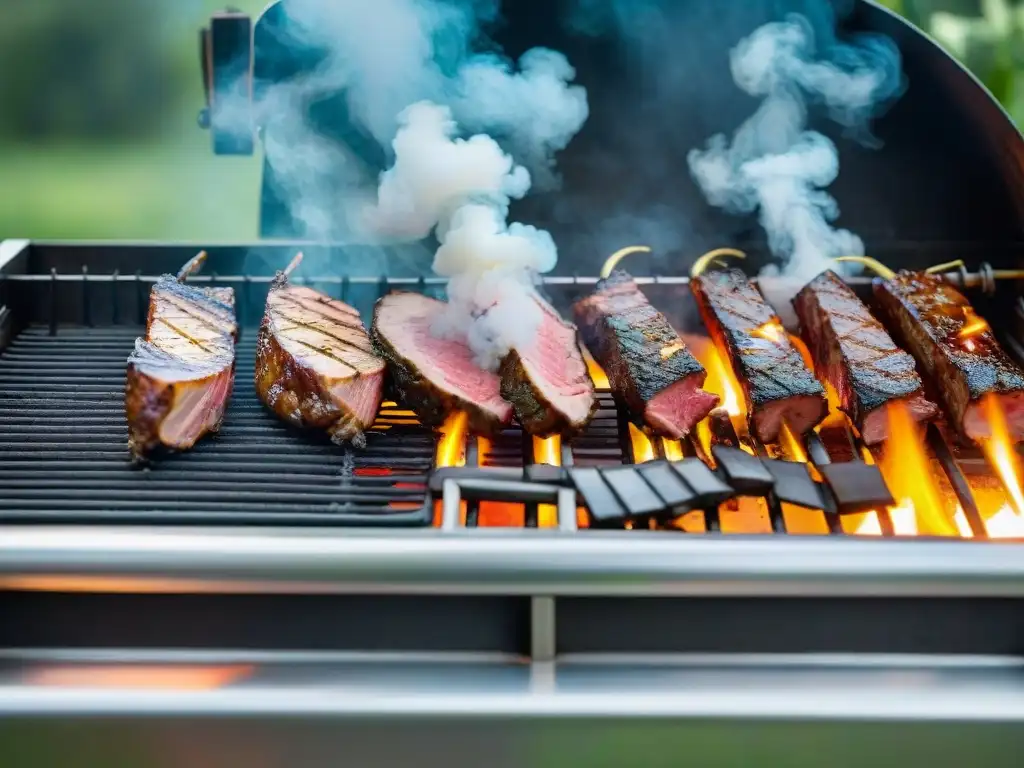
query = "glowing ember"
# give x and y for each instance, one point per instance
(907, 471)
(1000, 453)
(671, 349)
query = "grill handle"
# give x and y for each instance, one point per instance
(226, 61)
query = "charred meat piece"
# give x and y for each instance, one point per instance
(433, 376)
(315, 367)
(956, 349)
(547, 381)
(855, 354)
(648, 366)
(180, 374)
(776, 382)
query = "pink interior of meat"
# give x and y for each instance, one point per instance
(406, 320)
(555, 364)
(876, 424)
(360, 395)
(800, 412)
(197, 408)
(976, 423)
(676, 410)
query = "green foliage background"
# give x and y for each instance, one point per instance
(98, 101)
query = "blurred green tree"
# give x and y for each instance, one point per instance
(86, 69)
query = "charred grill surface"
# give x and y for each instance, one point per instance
(855, 354)
(648, 366)
(958, 352)
(776, 382)
(431, 376)
(180, 374)
(547, 382)
(315, 367)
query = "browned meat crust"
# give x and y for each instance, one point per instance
(315, 367)
(776, 382)
(854, 353)
(931, 316)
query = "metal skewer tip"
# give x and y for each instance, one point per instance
(192, 266)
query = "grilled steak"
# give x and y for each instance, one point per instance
(649, 367)
(776, 382)
(180, 374)
(315, 367)
(855, 354)
(956, 349)
(547, 381)
(433, 376)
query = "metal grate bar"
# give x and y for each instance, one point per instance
(64, 457)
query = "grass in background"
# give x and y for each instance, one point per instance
(157, 191)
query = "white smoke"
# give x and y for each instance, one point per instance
(773, 164)
(461, 189)
(462, 135)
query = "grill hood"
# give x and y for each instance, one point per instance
(948, 170)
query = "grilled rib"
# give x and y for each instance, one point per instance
(648, 366)
(854, 353)
(547, 381)
(776, 382)
(433, 376)
(180, 374)
(315, 367)
(931, 317)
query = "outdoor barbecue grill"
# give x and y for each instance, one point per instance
(269, 598)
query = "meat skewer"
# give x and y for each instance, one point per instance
(648, 366)
(433, 376)
(547, 381)
(854, 353)
(955, 347)
(180, 374)
(777, 385)
(315, 366)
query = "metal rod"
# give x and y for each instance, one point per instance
(961, 487)
(473, 460)
(981, 279)
(819, 457)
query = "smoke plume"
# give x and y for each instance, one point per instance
(777, 167)
(459, 135)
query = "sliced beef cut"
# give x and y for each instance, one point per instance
(547, 380)
(180, 374)
(648, 365)
(855, 354)
(433, 376)
(315, 366)
(956, 349)
(776, 383)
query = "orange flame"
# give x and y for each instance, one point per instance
(835, 418)
(597, 374)
(907, 470)
(547, 451)
(999, 451)
(451, 448)
(772, 331)
(973, 325)
(643, 448)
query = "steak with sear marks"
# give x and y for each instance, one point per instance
(315, 366)
(854, 353)
(547, 380)
(180, 374)
(648, 366)
(776, 383)
(433, 376)
(957, 350)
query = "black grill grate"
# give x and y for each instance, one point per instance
(64, 457)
